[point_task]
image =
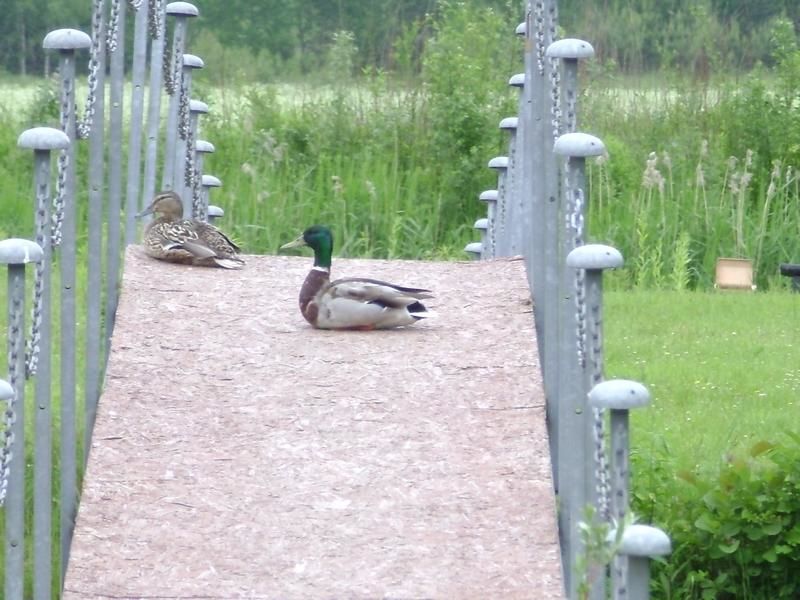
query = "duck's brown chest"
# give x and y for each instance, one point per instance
(315, 281)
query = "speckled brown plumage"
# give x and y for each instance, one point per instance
(172, 238)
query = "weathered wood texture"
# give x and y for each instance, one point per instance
(240, 453)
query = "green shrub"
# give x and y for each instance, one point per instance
(735, 530)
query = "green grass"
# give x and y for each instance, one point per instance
(723, 367)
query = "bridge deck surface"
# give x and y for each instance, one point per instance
(240, 453)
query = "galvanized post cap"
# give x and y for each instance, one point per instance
(595, 257)
(190, 61)
(182, 9)
(509, 123)
(6, 391)
(488, 196)
(43, 138)
(204, 146)
(578, 144)
(17, 251)
(619, 394)
(517, 80)
(210, 181)
(499, 162)
(473, 248)
(215, 211)
(481, 224)
(521, 29)
(197, 106)
(66, 39)
(642, 541)
(570, 48)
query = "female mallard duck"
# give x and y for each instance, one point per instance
(172, 238)
(352, 303)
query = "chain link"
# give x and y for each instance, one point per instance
(9, 415)
(173, 63)
(84, 125)
(57, 218)
(538, 18)
(32, 349)
(135, 4)
(112, 35)
(601, 460)
(154, 19)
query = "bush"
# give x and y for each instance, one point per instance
(735, 531)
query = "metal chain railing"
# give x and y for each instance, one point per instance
(84, 125)
(32, 348)
(9, 414)
(154, 23)
(113, 26)
(538, 18)
(172, 64)
(576, 222)
(61, 177)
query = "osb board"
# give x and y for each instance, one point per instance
(240, 453)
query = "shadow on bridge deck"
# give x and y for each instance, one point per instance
(240, 453)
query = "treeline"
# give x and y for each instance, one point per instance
(293, 37)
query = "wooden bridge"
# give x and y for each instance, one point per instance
(239, 453)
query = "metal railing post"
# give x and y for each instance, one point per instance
(138, 73)
(42, 140)
(181, 11)
(640, 543)
(16, 254)
(489, 243)
(206, 183)
(67, 41)
(199, 200)
(184, 145)
(157, 27)
(574, 429)
(500, 220)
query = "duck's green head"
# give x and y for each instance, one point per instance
(320, 239)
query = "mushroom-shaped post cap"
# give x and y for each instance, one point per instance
(521, 29)
(215, 212)
(193, 62)
(578, 144)
(642, 540)
(570, 48)
(16, 251)
(210, 181)
(499, 162)
(488, 196)
(204, 146)
(43, 138)
(595, 257)
(509, 123)
(66, 39)
(6, 391)
(182, 9)
(473, 248)
(482, 224)
(619, 394)
(197, 106)
(517, 80)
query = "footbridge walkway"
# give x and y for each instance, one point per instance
(239, 453)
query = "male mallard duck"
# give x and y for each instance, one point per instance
(352, 303)
(172, 238)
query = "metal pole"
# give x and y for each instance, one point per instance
(207, 182)
(114, 225)
(16, 253)
(575, 423)
(66, 41)
(94, 259)
(138, 73)
(185, 142)
(500, 218)
(197, 108)
(639, 543)
(199, 200)
(158, 37)
(515, 231)
(181, 11)
(42, 140)
(489, 247)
